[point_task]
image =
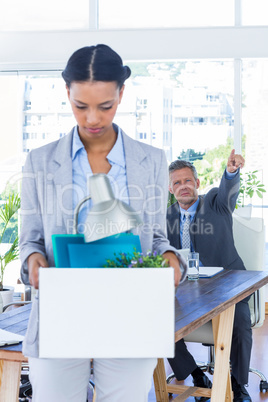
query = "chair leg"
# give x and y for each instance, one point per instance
(209, 366)
(91, 382)
(92, 386)
(170, 377)
(263, 386)
(211, 359)
(263, 382)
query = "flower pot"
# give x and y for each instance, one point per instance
(7, 294)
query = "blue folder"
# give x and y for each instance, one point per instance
(60, 248)
(71, 251)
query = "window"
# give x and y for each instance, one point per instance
(171, 13)
(200, 93)
(33, 15)
(255, 123)
(254, 12)
(31, 115)
(142, 136)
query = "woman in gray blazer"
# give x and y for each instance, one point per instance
(54, 181)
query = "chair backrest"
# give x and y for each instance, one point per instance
(249, 239)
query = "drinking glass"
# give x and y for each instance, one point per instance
(193, 266)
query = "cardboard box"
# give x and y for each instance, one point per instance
(106, 312)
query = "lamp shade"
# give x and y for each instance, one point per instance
(108, 215)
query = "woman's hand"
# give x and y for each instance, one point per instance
(174, 263)
(35, 261)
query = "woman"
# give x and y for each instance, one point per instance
(55, 180)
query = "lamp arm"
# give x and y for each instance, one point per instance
(76, 212)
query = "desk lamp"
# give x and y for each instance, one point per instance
(108, 215)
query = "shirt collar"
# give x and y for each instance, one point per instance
(77, 143)
(115, 156)
(191, 210)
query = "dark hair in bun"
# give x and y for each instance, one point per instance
(95, 63)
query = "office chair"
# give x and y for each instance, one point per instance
(249, 238)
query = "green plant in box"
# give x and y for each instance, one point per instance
(137, 260)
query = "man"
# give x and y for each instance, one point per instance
(211, 235)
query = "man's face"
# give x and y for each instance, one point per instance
(184, 187)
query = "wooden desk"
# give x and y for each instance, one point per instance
(196, 303)
(11, 357)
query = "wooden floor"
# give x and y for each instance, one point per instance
(259, 360)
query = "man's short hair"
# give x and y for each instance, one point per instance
(179, 164)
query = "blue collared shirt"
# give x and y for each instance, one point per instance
(82, 171)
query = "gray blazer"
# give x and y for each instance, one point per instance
(46, 205)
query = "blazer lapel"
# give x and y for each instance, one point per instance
(137, 172)
(195, 221)
(63, 179)
(175, 225)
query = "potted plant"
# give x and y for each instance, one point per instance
(137, 260)
(10, 239)
(250, 185)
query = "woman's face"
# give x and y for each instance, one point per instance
(94, 105)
